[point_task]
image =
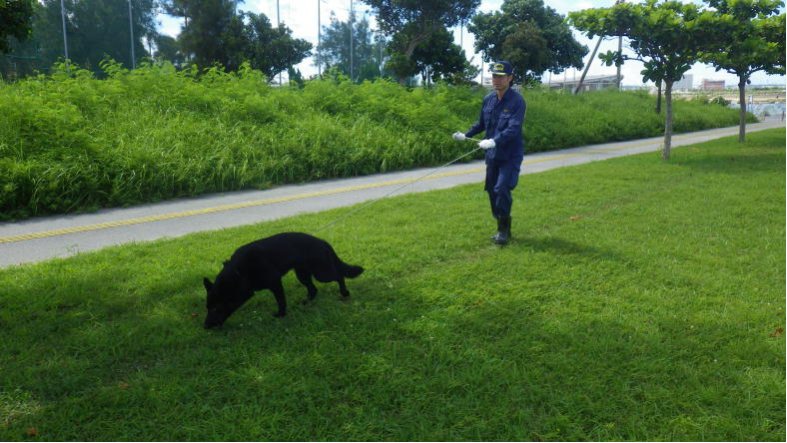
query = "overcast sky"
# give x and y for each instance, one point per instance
(301, 16)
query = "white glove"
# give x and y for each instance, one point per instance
(458, 136)
(487, 144)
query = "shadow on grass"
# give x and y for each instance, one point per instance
(386, 365)
(742, 163)
(559, 245)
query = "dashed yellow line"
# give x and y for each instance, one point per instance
(181, 214)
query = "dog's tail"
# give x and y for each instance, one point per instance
(351, 271)
(347, 271)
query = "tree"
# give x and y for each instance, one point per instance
(334, 49)
(214, 33)
(533, 37)
(207, 30)
(668, 37)
(20, 55)
(272, 50)
(412, 23)
(95, 29)
(167, 48)
(756, 43)
(16, 18)
(439, 58)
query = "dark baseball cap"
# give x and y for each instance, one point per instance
(502, 67)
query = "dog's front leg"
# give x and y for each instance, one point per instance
(278, 292)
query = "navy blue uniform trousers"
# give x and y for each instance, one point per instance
(502, 177)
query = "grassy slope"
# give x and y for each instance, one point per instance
(637, 302)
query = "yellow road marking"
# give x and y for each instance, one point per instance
(174, 215)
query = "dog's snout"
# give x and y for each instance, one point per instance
(213, 320)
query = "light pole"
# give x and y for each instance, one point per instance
(131, 33)
(65, 39)
(278, 23)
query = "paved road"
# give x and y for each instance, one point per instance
(61, 236)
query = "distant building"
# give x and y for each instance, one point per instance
(712, 85)
(685, 83)
(591, 83)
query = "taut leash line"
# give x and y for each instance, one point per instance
(371, 202)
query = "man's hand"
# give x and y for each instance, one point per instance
(487, 144)
(458, 136)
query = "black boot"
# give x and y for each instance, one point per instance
(499, 230)
(504, 230)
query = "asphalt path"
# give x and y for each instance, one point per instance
(62, 236)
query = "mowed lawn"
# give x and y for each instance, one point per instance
(639, 300)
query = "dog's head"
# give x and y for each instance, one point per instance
(225, 296)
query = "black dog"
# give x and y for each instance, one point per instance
(261, 265)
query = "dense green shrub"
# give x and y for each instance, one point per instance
(70, 142)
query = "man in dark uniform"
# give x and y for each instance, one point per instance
(502, 116)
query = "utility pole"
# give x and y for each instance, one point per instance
(584, 73)
(620, 51)
(482, 69)
(131, 33)
(462, 35)
(592, 56)
(278, 24)
(352, 19)
(65, 39)
(319, 28)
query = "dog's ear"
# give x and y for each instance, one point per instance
(207, 283)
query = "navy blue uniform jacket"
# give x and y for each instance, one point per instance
(502, 120)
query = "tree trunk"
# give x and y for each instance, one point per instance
(668, 122)
(742, 90)
(658, 99)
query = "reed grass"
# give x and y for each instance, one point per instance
(70, 142)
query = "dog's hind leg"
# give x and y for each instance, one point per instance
(305, 277)
(342, 287)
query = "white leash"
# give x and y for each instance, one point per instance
(371, 202)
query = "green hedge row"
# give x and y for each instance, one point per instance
(70, 142)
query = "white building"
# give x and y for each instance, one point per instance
(591, 83)
(685, 83)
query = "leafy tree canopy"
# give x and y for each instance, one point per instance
(413, 23)
(334, 49)
(15, 21)
(755, 41)
(214, 33)
(533, 37)
(272, 50)
(668, 37)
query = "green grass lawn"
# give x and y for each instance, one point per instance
(639, 300)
